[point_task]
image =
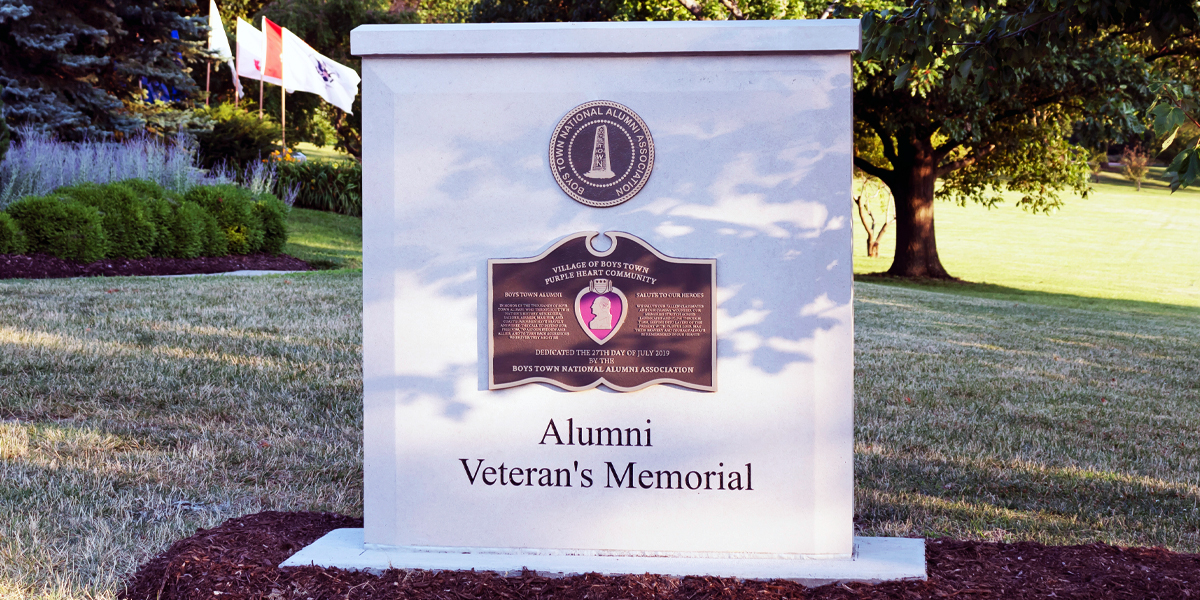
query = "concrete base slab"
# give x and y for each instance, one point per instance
(875, 560)
(242, 273)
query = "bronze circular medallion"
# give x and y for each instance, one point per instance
(601, 153)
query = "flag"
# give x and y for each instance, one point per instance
(218, 42)
(307, 70)
(274, 48)
(251, 53)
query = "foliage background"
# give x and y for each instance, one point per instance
(81, 70)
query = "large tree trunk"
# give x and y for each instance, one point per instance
(912, 184)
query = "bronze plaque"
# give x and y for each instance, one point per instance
(601, 153)
(628, 317)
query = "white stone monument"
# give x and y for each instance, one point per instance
(709, 360)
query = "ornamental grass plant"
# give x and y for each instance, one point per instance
(39, 164)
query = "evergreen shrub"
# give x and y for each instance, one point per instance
(160, 208)
(215, 242)
(238, 137)
(12, 239)
(61, 227)
(5, 136)
(128, 223)
(191, 234)
(273, 215)
(233, 208)
(162, 214)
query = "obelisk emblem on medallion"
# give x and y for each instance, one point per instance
(600, 309)
(601, 153)
(601, 167)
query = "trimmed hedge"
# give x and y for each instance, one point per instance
(127, 219)
(12, 239)
(233, 207)
(215, 241)
(188, 232)
(272, 213)
(136, 218)
(60, 226)
(160, 207)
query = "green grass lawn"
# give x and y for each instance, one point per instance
(1116, 244)
(1062, 408)
(313, 152)
(326, 240)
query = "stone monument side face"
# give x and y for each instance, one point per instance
(752, 170)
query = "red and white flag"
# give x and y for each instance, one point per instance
(307, 70)
(274, 50)
(252, 53)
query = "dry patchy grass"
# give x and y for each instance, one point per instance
(989, 419)
(134, 411)
(137, 410)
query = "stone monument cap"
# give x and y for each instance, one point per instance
(608, 39)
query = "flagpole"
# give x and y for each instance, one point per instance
(207, 79)
(262, 74)
(283, 117)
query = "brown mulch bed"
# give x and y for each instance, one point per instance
(238, 560)
(42, 266)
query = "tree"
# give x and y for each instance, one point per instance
(985, 95)
(872, 197)
(501, 11)
(4, 135)
(1135, 165)
(325, 25)
(76, 68)
(1097, 160)
(967, 99)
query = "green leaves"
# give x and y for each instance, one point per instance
(1175, 106)
(1185, 168)
(1167, 117)
(902, 76)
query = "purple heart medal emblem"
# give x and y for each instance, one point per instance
(601, 310)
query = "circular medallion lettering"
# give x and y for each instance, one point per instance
(601, 153)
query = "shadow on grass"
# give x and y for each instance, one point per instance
(1007, 501)
(1010, 294)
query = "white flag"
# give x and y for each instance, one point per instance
(307, 70)
(252, 53)
(219, 42)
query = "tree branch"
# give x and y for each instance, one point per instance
(889, 149)
(1190, 51)
(694, 7)
(946, 148)
(872, 170)
(733, 9)
(965, 161)
(1016, 112)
